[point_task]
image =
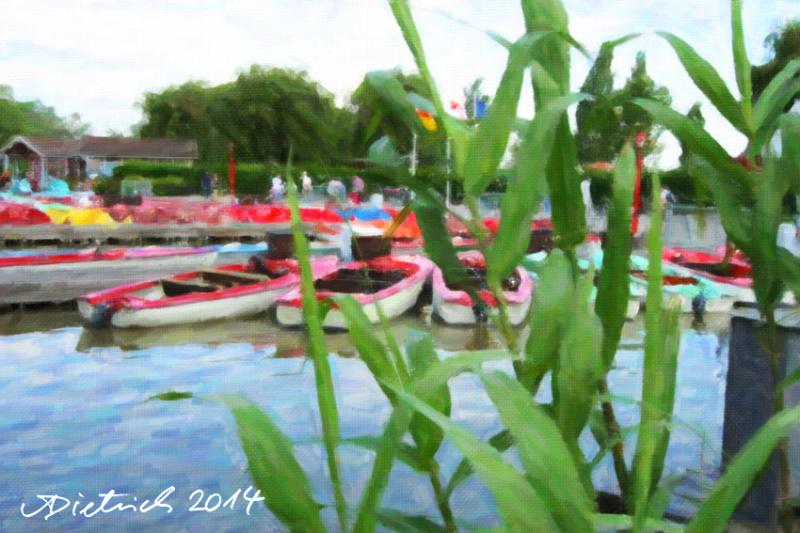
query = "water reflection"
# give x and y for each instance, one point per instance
(75, 415)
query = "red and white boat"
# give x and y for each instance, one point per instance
(393, 282)
(62, 276)
(454, 306)
(735, 276)
(208, 294)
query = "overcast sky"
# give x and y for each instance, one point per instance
(98, 57)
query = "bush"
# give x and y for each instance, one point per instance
(135, 186)
(172, 186)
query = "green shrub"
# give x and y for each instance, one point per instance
(135, 186)
(172, 186)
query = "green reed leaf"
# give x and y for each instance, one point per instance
(773, 101)
(613, 287)
(551, 305)
(326, 397)
(406, 523)
(520, 507)
(701, 143)
(708, 80)
(491, 139)
(434, 377)
(544, 454)
(526, 189)
(741, 473)
(741, 62)
(501, 442)
(275, 470)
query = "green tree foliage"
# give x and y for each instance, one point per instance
(695, 114)
(263, 112)
(784, 45)
(599, 130)
(606, 122)
(375, 119)
(34, 118)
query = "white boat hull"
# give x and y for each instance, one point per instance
(234, 306)
(392, 307)
(66, 281)
(462, 315)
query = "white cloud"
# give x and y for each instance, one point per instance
(98, 57)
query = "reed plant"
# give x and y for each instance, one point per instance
(575, 339)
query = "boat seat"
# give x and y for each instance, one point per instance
(229, 278)
(173, 287)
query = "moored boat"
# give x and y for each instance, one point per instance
(207, 294)
(735, 275)
(697, 294)
(454, 305)
(61, 276)
(393, 282)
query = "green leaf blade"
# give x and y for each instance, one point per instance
(526, 189)
(275, 470)
(545, 456)
(706, 78)
(613, 289)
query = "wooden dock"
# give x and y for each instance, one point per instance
(65, 234)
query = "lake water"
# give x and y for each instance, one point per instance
(76, 419)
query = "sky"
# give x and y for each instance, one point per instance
(98, 57)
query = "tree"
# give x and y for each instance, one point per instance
(263, 112)
(606, 122)
(599, 132)
(182, 112)
(34, 118)
(695, 114)
(784, 45)
(374, 119)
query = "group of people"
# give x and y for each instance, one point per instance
(335, 189)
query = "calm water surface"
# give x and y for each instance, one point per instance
(76, 418)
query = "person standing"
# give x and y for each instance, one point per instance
(336, 190)
(215, 184)
(306, 183)
(206, 184)
(357, 190)
(277, 190)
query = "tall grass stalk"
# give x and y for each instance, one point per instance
(326, 397)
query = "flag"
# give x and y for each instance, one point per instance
(457, 109)
(428, 122)
(480, 109)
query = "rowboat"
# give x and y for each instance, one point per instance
(735, 275)
(63, 275)
(696, 293)
(454, 306)
(390, 282)
(208, 294)
(533, 262)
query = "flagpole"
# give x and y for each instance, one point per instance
(413, 168)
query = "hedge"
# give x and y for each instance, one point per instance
(252, 179)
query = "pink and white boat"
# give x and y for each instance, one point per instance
(62, 276)
(392, 282)
(208, 294)
(454, 306)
